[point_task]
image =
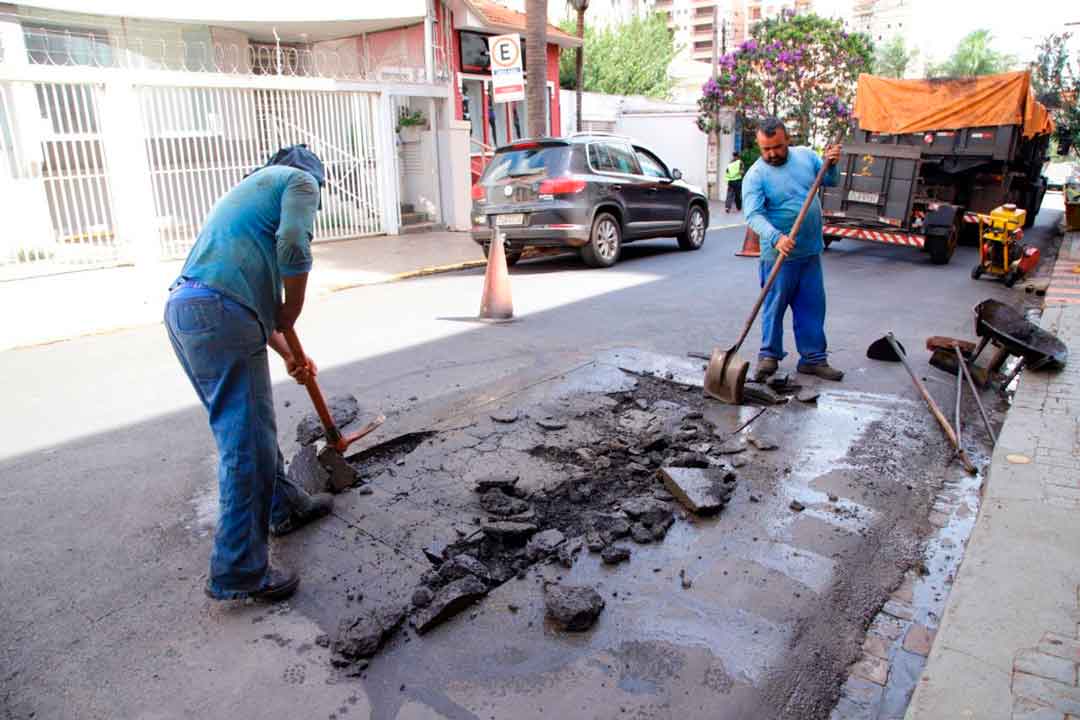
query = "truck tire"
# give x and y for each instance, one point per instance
(941, 246)
(1035, 199)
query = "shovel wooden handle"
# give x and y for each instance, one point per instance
(333, 435)
(794, 233)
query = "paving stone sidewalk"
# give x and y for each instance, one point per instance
(1009, 643)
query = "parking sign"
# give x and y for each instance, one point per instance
(507, 78)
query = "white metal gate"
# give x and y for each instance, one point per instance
(54, 176)
(202, 141)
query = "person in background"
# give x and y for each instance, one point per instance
(223, 311)
(774, 190)
(733, 175)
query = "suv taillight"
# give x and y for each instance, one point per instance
(478, 192)
(562, 186)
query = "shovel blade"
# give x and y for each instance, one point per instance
(881, 350)
(725, 378)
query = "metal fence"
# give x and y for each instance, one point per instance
(202, 141)
(59, 190)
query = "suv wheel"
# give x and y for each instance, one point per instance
(605, 242)
(693, 237)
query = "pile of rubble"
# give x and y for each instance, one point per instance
(630, 488)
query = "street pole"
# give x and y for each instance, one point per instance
(716, 78)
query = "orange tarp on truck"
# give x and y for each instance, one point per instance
(885, 105)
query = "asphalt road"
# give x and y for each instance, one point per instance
(106, 504)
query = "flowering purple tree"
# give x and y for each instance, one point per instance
(802, 68)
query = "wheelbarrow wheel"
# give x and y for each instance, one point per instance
(976, 272)
(1010, 278)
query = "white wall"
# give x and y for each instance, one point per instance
(668, 129)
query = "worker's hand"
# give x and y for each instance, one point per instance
(301, 372)
(832, 154)
(785, 245)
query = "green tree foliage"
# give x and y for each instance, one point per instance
(974, 56)
(1056, 79)
(627, 59)
(802, 68)
(892, 58)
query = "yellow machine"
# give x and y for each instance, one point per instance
(1001, 252)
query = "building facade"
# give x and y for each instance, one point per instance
(119, 132)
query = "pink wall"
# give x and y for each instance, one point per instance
(553, 76)
(387, 46)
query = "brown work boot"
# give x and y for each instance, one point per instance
(766, 366)
(822, 370)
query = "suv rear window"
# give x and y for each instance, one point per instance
(539, 162)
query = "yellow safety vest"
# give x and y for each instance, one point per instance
(734, 171)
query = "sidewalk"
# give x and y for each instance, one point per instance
(1009, 641)
(58, 307)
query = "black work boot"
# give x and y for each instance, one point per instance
(822, 370)
(278, 584)
(308, 509)
(766, 366)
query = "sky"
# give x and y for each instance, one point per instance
(1016, 26)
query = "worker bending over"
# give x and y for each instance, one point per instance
(223, 311)
(773, 192)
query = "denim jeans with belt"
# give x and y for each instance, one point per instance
(222, 348)
(800, 286)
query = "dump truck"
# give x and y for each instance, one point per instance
(926, 157)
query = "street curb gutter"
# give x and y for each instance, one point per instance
(1008, 646)
(411, 274)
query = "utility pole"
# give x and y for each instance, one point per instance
(716, 78)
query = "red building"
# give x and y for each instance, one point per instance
(472, 22)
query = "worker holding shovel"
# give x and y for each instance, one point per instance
(773, 192)
(223, 311)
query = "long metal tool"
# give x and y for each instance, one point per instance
(959, 397)
(934, 409)
(975, 394)
(334, 437)
(725, 378)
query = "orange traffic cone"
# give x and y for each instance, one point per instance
(751, 246)
(496, 303)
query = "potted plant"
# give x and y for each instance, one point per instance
(410, 122)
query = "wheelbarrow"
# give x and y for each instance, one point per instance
(1013, 334)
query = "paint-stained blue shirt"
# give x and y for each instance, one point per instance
(773, 196)
(257, 233)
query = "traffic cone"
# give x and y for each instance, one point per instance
(496, 303)
(751, 245)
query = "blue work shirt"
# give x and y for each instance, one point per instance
(773, 196)
(257, 233)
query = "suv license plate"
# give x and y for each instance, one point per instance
(514, 219)
(862, 197)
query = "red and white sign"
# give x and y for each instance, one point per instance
(507, 77)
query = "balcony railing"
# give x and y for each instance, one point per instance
(398, 61)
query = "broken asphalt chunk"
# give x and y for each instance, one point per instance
(422, 596)
(505, 483)
(573, 608)
(306, 472)
(641, 533)
(361, 636)
(509, 532)
(731, 446)
(797, 506)
(569, 550)
(551, 423)
(544, 543)
(343, 408)
(463, 565)
(808, 395)
(449, 601)
(701, 491)
(763, 442)
(436, 552)
(647, 510)
(499, 503)
(505, 416)
(615, 554)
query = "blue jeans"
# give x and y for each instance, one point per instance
(222, 348)
(800, 286)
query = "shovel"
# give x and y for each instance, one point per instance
(725, 378)
(334, 437)
(889, 349)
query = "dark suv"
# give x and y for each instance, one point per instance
(592, 192)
